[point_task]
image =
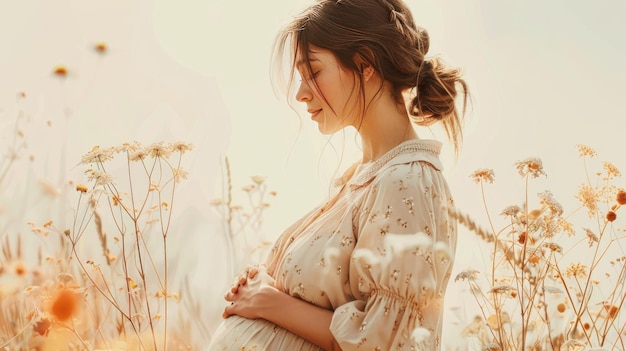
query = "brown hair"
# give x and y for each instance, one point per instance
(383, 34)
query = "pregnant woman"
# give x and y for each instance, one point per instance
(368, 269)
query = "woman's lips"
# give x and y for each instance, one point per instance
(314, 113)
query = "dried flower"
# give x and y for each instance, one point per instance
(82, 188)
(531, 166)
(548, 200)
(138, 155)
(621, 197)
(101, 178)
(100, 47)
(585, 150)
(576, 270)
(591, 236)
(611, 171)
(64, 304)
(180, 174)
(511, 211)
(258, 180)
(97, 155)
(500, 289)
(181, 147)
(611, 216)
(60, 71)
(159, 150)
(483, 175)
(469, 274)
(589, 197)
(492, 347)
(553, 247)
(42, 326)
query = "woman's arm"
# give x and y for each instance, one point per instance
(264, 301)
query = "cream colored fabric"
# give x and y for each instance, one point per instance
(379, 255)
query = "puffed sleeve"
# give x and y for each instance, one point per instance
(401, 263)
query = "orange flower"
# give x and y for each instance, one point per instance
(621, 197)
(60, 71)
(64, 304)
(561, 307)
(42, 327)
(101, 47)
(611, 216)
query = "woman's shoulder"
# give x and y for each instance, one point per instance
(400, 163)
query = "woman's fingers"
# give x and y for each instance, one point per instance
(228, 310)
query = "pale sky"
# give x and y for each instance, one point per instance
(544, 76)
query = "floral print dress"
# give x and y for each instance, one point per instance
(379, 254)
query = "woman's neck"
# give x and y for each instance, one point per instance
(385, 126)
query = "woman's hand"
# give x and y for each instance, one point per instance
(249, 273)
(250, 294)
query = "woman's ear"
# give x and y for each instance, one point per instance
(367, 72)
(365, 68)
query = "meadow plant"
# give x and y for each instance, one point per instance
(104, 282)
(551, 284)
(243, 220)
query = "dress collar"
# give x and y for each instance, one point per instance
(409, 151)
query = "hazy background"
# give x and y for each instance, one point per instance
(544, 76)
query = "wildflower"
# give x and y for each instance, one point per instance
(258, 180)
(585, 150)
(511, 211)
(534, 259)
(100, 47)
(483, 175)
(576, 270)
(180, 174)
(561, 307)
(64, 304)
(611, 171)
(60, 71)
(248, 188)
(611, 216)
(101, 178)
(131, 283)
(552, 290)
(621, 197)
(499, 289)
(82, 188)
(20, 269)
(159, 150)
(548, 200)
(591, 236)
(566, 226)
(97, 155)
(469, 274)
(137, 155)
(531, 166)
(492, 347)
(42, 326)
(553, 247)
(589, 197)
(181, 147)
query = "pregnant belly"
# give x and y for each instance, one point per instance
(242, 334)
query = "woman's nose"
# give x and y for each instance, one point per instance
(304, 92)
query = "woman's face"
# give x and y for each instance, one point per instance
(329, 91)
